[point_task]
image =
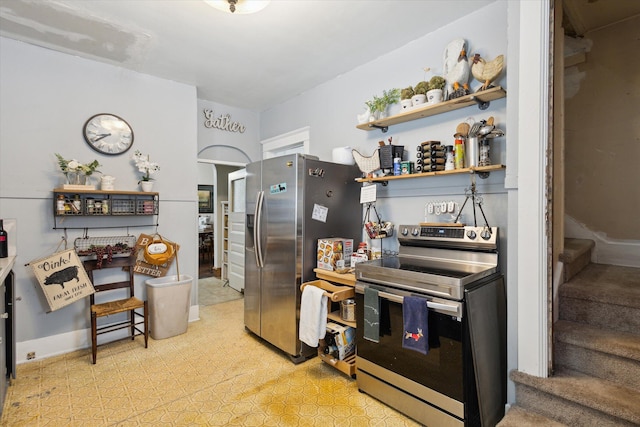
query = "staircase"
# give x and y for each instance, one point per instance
(596, 347)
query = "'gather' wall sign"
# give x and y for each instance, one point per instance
(222, 122)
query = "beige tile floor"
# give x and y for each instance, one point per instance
(215, 374)
(211, 290)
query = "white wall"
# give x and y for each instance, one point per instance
(226, 146)
(46, 98)
(331, 108)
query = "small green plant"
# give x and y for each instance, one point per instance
(406, 93)
(421, 88)
(391, 96)
(380, 103)
(436, 82)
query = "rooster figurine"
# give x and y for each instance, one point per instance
(486, 72)
(456, 69)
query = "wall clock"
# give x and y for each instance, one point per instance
(108, 134)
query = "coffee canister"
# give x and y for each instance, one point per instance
(348, 310)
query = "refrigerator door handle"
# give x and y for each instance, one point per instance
(257, 230)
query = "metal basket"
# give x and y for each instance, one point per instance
(119, 244)
(367, 164)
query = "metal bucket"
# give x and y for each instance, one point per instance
(348, 310)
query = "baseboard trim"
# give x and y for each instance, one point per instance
(67, 342)
(625, 253)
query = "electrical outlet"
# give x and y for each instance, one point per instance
(31, 355)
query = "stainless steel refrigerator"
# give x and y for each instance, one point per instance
(292, 201)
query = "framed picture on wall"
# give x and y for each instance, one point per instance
(205, 198)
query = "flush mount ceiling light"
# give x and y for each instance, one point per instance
(238, 6)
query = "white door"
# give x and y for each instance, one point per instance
(237, 191)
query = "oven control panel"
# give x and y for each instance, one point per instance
(482, 236)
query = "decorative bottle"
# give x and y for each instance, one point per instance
(4, 250)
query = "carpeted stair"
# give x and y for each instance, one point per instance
(596, 349)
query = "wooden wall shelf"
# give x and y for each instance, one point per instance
(476, 169)
(481, 99)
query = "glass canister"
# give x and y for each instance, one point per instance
(485, 159)
(449, 163)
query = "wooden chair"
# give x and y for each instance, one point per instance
(106, 308)
(206, 247)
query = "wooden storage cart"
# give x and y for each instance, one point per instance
(335, 293)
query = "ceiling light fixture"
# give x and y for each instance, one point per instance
(238, 6)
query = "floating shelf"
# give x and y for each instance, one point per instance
(476, 169)
(481, 99)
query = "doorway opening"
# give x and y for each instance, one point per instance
(213, 175)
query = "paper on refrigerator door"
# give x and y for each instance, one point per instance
(319, 213)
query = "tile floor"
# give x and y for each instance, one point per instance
(215, 374)
(211, 290)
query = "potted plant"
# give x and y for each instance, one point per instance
(75, 172)
(389, 98)
(405, 97)
(420, 90)
(147, 167)
(434, 94)
(378, 105)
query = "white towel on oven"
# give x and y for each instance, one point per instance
(313, 315)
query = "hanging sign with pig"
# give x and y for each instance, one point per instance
(62, 278)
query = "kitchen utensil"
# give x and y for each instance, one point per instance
(496, 133)
(462, 130)
(485, 130)
(473, 132)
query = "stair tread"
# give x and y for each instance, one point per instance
(602, 395)
(608, 341)
(611, 284)
(573, 248)
(520, 417)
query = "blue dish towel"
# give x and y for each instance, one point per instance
(415, 316)
(371, 315)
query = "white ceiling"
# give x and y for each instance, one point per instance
(248, 61)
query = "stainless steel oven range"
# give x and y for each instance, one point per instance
(461, 380)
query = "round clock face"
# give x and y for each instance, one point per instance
(108, 134)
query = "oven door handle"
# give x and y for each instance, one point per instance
(453, 309)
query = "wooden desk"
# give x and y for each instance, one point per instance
(348, 279)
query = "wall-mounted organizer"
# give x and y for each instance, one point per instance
(97, 203)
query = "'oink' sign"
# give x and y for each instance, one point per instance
(222, 122)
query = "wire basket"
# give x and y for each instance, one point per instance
(115, 244)
(367, 164)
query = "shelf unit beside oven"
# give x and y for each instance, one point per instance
(336, 294)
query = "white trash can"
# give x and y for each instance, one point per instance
(169, 303)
